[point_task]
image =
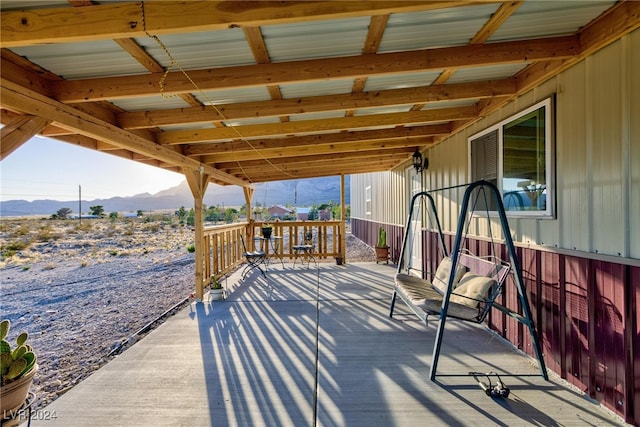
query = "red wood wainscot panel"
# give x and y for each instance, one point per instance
(496, 319)
(608, 323)
(552, 310)
(514, 330)
(530, 264)
(634, 313)
(576, 277)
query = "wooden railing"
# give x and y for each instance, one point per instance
(223, 246)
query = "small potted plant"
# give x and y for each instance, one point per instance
(266, 230)
(382, 250)
(216, 291)
(18, 367)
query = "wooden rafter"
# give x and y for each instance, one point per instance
(315, 126)
(31, 102)
(315, 104)
(19, 131)
(276, 147)
(86, 90)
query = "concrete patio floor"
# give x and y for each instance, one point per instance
(307, 347)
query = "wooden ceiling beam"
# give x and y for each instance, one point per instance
(495, 22)
(347, 149)
(316, 126)
(18, 131)
(302, 160)
(260, 175)
(31, 102)
(127, 20)
(317, 173)
(304, 170)
(312, 104)
(414, 133)
(336, 68)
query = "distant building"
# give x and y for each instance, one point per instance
(302, 214)
(279, 211)
(324, 215)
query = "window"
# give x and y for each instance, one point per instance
(516, 156)
(367, 200)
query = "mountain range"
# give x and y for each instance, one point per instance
(305, 192)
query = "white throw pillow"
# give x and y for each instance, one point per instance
(474, 287)
(441, 278)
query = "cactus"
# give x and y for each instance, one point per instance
(382, 238)
(14, 364)
(215, 283)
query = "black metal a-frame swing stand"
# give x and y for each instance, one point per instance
(479, 187)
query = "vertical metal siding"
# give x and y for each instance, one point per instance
(571, 183)
(604, 119)
(597, 149)
(632, 90)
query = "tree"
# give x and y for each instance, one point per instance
(113, 216)
(182, 214)
(97, 210)
(230, 215)
(313, 213)
(191, 217)
(63, 213)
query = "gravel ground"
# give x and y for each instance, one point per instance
(84, 294)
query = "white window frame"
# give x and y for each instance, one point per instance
(367, 201)
(550, 167)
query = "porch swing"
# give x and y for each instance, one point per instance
(464, 286)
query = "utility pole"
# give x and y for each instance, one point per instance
(80, 204)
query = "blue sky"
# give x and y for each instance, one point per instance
(44, 168)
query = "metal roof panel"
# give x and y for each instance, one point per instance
(83, 60)
(231, 96)
(148, 103)
(317, 39)
(399, 81)
(434, 28)
(475, 74)
(328, 87)
(549, 18)
(383, 110)
(205, 49)
(316, 116)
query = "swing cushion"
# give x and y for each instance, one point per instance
(475, 288)
(417, 290)
(441, 278)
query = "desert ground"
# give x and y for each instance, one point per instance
(85, 291)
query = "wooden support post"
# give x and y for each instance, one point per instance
(198, 181)
(248, 197)
(343, 221)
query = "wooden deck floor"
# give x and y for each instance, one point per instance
(307, 347)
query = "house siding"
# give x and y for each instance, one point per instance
(581, 267)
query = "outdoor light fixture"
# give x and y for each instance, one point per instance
(417, 162)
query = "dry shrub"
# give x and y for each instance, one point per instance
(46, 233)
(9, 249)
